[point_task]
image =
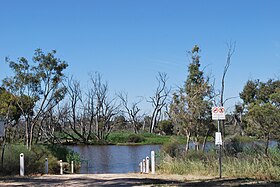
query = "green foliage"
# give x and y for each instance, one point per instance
(166, 126)
(8, 107)
(135, 138)
(191, 106)
(116, 138)
(233, 147)
(146, 138)
(36, 84)
(34, 161)
(261, 101)
(58, 151)
(171, 147)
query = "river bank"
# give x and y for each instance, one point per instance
(130, 179)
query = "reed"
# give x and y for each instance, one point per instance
(244, 165)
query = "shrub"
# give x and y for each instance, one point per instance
(166, 126)
(34, 161)
(135, 138)
(233, 147)
(118, 137)
(171, 148)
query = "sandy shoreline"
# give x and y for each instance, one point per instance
(130, 179)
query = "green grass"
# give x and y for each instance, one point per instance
(126, 138)
(245, 165)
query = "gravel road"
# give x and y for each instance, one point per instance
(125, 180)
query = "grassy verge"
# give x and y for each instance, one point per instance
(246, 164)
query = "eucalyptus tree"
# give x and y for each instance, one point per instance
(191, 105)
(8, 108)
(262, 107)
(37, 87)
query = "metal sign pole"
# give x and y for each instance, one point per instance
(220, 153)
(218, 113)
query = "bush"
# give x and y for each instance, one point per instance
(34, 161)
(166, 126)
(118, 137)
(171, 148)
(135, 138)
(233, 147)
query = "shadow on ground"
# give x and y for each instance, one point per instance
(126, 182)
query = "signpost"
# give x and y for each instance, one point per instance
(218, 113)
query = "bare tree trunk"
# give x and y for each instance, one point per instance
(231, 50)
(267, 144)
(31, 136)
(3, 150)
(205, 140)
(188, 141)
(27, 133)
(159, 99)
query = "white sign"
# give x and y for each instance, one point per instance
(2, 129)
(218, 113)
(218, 138)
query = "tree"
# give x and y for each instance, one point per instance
(166, 127)
(104, 108)
(132, 112)
(158, 100)
(73, 113)
(260, 99)
(238, 118)
(265, 120)
(8, 108)
(90, 115)
(231, 50)
(191, 106)
(38, 87)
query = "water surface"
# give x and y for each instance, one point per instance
(112, 158)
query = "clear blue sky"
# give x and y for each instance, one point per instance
(129, 41)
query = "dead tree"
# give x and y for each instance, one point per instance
(231, 50)
(158, 100)
(132, 112)
(103, 108)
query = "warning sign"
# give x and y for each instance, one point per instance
(218, 138)
(218, 113)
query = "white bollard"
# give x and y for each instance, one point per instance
(153, 163)
(21, 164)
(144, 166)
(72, 167)
(61, 168)
(141, 167)
(147, 164)
(46, 166)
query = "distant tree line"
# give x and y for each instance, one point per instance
(40, 104)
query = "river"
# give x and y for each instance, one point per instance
(112, 158)
(123, 159)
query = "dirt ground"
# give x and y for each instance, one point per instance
(125, 180)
